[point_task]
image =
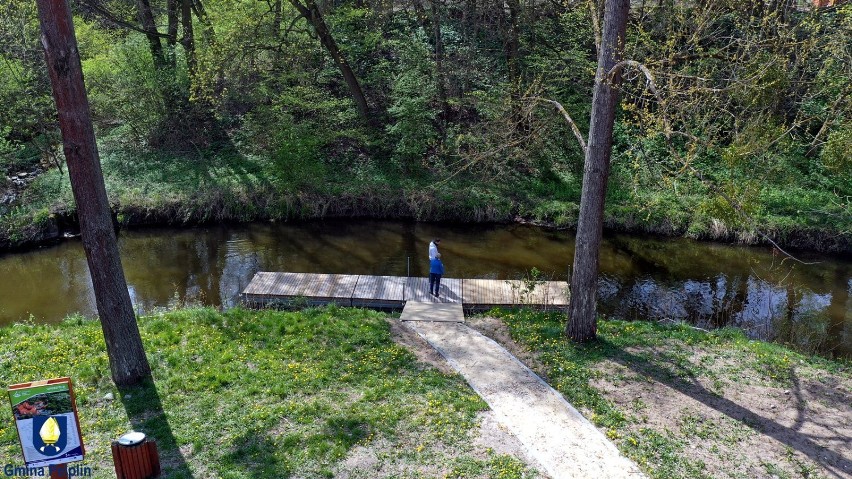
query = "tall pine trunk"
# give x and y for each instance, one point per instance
(582, 323)
(127, 359)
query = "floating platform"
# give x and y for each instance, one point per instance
(392, 292)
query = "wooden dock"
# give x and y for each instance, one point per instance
(392, 292)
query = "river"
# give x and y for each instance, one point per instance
(669, 279)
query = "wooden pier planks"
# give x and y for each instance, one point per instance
(379, 292)
(488, 293)
(329, 288)
(417, 289)
(553, 293)
(268, 287)
(394, 291)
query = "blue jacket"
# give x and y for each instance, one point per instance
(436, 266)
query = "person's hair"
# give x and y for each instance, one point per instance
(436, 240)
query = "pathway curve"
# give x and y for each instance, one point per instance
(565, 443)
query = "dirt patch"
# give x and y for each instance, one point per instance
(496, 330)
(405, 336)
(405, 457)
(721, 411)
(739, 426)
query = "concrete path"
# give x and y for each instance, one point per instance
(555, 434)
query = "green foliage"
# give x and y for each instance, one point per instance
(413, 103)
(836, 152)
(266, 125)
(298, 161)
(8, 151)
(124, 87)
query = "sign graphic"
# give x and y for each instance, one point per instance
(52, 434)
(46, 418)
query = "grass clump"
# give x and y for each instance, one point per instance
(247, 393)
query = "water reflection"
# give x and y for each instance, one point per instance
(708, 285)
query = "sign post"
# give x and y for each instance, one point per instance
(47, 423)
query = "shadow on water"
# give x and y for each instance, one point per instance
(145, 411)
(684, 381)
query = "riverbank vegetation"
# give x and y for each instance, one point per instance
(248, 111)
(687, 403)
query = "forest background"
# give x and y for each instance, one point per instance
(241, 110)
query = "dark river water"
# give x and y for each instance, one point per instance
(668, 279)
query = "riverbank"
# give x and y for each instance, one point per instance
(350, 393)
(692, 404)
(152, 189)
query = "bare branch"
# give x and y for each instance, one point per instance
(565, 114)
(649, 77)
(107, 15)
(735, 205)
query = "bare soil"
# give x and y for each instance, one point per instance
(728, 417)
(739, 425)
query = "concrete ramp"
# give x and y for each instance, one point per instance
(553, 432)
(441, 312)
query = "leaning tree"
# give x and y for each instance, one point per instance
(127, 360)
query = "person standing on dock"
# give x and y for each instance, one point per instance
(433, 248)
(436, 270)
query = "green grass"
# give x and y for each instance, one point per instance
(232, 184)
(247, 394)
(701, 365)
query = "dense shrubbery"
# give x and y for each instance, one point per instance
(759, 99)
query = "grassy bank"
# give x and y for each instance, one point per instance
(153, 188)
(332, 393)
(242, 394)
(687, 403)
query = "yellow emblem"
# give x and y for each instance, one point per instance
(49, 433)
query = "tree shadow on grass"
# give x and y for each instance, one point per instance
(145, 411)
(263, 452)
(684, 381)
(257, 453)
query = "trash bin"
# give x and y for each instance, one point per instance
(135, 457)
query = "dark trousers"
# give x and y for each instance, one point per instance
(434, 283)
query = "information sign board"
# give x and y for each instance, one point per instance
(46, 418)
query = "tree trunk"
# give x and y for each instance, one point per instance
(172, 29)
(513, 44)
(127, 360)
(312, 14)
(146, 18)
(582, 324)
(188, 40)
(440, 76)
